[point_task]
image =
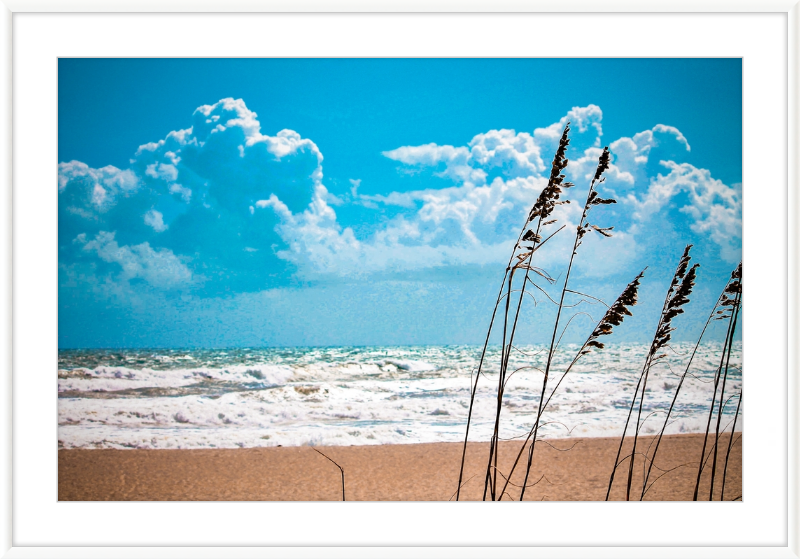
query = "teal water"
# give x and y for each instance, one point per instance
(248, 397)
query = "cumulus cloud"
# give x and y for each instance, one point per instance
(155, 219)
(191, 193)
(94, 191)
(244, 211)
(501, 172)
(159, 268)
(715, 208)
(637, 158)
(587, 129)
(505, 153)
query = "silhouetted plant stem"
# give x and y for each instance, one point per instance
(734, 287)
(677, 296)
(474, 388)
(613, 317)
(663, 335)
(636, 431)
(730, 444)
(504, 353)
(491, 472)
(624, 430)
(549, 362)
(591, 199)
(545, 203)
(711, 410)
(677, 392)
(504, 369)
(337, 465)
(490, 477)
(722, 396)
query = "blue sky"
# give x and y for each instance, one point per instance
(369, 201)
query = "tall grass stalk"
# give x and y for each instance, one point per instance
(677, 295)
(737, 306)
(731, 304)
(474, 387)
(592, 199)
(711, 316)
(335, 464)
(730, 444)
(613, 317)
(717, 376)
(548, 199)
(663, 336)
(543, 206)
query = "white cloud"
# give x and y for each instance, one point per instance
(227, 113)
(453, 226)
(586, 130)
(632, 155)
(517, 155)
(182, 191)
(155, 219)
(97, 190)
(428, 154)
(213, 120)
(224, 162)
(168, 146)
(316, 242)
(714, 207)
(160, 268)
(662, 129)
(514, 155)
(162, 171)
(477, 220)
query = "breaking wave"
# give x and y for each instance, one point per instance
(355, 396)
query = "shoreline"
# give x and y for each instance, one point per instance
(575, 469)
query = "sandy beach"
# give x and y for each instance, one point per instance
(566, 470)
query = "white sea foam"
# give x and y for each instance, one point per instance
(107, 379)
(345, 396)
(409, 365)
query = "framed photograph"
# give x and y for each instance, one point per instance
(294, 262)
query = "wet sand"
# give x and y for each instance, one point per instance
(564, 470)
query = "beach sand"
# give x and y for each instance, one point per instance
(413, 472)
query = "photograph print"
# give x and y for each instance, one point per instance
(421, 279)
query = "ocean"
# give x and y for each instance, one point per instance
(252, 397)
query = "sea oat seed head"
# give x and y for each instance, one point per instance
(675, 302)
(548, 197)
(616, 313)
(603, 164)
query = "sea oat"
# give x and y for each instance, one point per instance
(722, 301)
(613, 317)
(615, 314)
(677, 296)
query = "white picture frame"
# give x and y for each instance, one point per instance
(35, 526)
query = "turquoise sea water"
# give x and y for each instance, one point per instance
(247, 397)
